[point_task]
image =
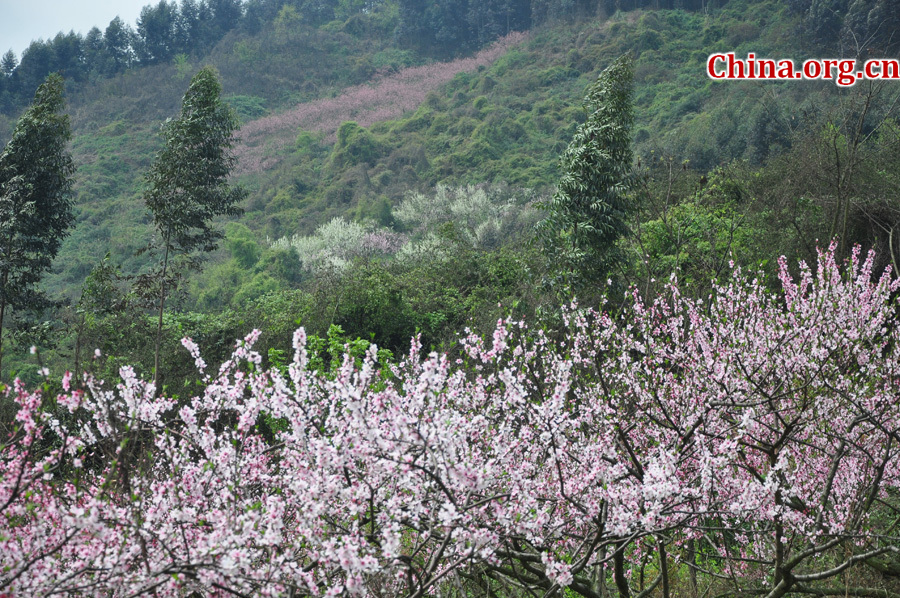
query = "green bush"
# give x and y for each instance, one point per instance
(355, 145)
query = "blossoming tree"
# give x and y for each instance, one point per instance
(750, 441)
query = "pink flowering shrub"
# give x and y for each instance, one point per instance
(760, 429)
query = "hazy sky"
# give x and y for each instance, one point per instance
(22, 21)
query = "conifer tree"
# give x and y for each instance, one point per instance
(8, 63)
(587, 214)
(187, 185)
(36, 176)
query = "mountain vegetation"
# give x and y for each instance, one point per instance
(402, 297)
(36, 174)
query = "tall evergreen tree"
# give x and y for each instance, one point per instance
(587, 214)
(68, 55)
(36, 175)
(93, 51)
(37, 60)
(157, 32)
(187, 25)
(118, 39)
(411, 29)
(8, 63)
(221, 16)
(187, 185)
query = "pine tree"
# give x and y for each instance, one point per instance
(36, 212)
(587, 214)
(8, 63)
(187, 185)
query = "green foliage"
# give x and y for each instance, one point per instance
(242, 245)
(183, 67)
(247, 107)
(327, 354)
(392, 59)
(104, 313)
(259, 285)
(252, 271)
(187, 185)
(371, 303)
(461, 286)
(355, 145)
(696, 241)
(288, 19)
(587, 214)
(447, 27)
(36, 174)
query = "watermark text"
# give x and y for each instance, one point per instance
(842, 71)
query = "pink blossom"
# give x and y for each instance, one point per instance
(754, 424)
(383, 99)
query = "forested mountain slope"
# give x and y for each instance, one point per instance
(505, 123)
(330, 131)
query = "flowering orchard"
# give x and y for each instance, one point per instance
(386, 98)
(744, 444)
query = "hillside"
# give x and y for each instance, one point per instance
(350, 123)
(507, 122)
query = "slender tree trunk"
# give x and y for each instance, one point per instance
(2, 313)
(162, 302)
(779, 577)
(599, 576)
(844, 219)
(619, 571)
(77, 368)
(891, 247)
(835, 220)
(692, 571)
(663, 567)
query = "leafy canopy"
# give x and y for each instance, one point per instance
(187, 185)
(587, 214)
(36, 175)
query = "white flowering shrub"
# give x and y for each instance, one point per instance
(337, 243)
(482, 215)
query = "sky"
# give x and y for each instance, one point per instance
(22, 21)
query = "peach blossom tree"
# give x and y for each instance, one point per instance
(751, 438)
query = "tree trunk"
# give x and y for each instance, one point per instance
(619, 571)
(692, 571)
(2, 314)
(663, 567)
(162, 302)
(599, 576)
(78, 347)
(779, 545)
